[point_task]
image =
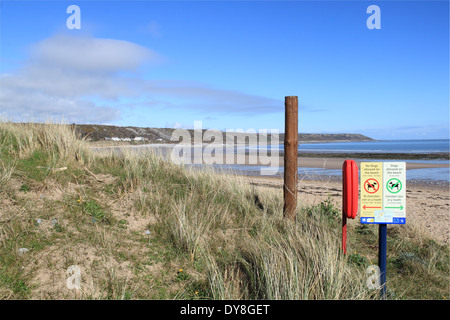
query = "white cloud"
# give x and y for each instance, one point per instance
(19, 104)
(64, 73)
(91, 54)
(199, 97)
(81, 79)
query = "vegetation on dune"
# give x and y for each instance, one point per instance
(139, 227)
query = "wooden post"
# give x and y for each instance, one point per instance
(290, 157)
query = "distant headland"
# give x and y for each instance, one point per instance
(95, 132)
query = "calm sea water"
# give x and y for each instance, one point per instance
(387, 146)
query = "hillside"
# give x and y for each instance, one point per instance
(94, 132)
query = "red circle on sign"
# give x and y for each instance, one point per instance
(371, 185)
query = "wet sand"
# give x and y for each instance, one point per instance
(336, 163)
(310, 160)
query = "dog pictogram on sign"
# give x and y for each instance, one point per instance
(394, 185)
(371, 186)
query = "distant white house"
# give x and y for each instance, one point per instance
(124, 139)
(120, 139)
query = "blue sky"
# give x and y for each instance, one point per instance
(230, 64)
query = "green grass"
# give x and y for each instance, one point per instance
(229, 239)
(95, 211)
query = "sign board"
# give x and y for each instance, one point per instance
(371, 190)
(383, 192)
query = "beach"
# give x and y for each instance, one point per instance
(336, 163)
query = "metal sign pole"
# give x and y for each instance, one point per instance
(344, 233)
(382, 239)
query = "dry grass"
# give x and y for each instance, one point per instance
(60, 140)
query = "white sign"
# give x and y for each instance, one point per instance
(383, 192)
(394, 190)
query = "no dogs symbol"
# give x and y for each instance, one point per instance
(371, 186)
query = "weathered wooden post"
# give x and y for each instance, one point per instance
(290, 157)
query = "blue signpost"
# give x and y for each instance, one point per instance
(382, 239)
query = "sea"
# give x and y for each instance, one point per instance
(381, 146)
(421, 147)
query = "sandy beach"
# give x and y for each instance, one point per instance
(333, 163)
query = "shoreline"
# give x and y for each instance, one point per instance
(302, 154)
(380, 156)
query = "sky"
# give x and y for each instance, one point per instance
(230, 64)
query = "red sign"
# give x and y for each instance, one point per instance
(371, 185)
